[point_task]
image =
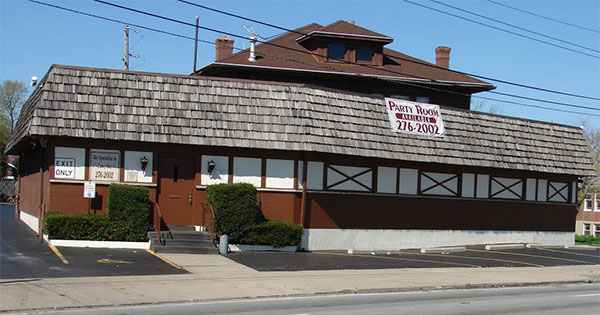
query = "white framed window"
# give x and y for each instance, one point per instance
(597, 202)
(588, 203)
(247, 170)
(280, 174)
(587, 229)
(596, 230)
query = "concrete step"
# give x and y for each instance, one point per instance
(181, 227)
(184, 243)
(182, 239)
(180, 234)
(186, 250)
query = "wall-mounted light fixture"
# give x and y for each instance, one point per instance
(211, 166)
(144, 162)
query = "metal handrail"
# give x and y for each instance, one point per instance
(209, 222)
(157, 222)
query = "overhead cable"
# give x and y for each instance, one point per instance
(514, 26)
(544, 17)
(267, 55)
(396, 57)
(501, 29)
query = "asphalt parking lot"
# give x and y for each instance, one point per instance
(473, 257)
(22, 255)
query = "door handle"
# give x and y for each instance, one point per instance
(190, 198)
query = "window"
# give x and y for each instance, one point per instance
(422, 99)
(597, 208)
(336, 51)
(587, 229)
(596, 230)
(364, 54)
(587, 203)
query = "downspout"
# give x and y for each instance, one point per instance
(303, 203)
(41, 206)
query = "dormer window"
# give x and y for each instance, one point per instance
(336, 51)
(364, 54)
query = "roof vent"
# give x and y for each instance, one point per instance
(224, 48)
(442, 56)
(252, 57)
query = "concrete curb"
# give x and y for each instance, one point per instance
(583, 247)
(234, 248)
(504, 246)
(545, 246)
(99, 244)
(441, 250)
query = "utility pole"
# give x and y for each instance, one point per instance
(196, 45)
(126, 48)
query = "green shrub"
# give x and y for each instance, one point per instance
(89, 227)
(128, 212)
(587, 239)
(275, 233)
(235, 208)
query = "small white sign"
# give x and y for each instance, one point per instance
(89, 190)
(64, 168)
(415, 118)
(105, 165)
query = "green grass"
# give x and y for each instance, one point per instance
(587, 240)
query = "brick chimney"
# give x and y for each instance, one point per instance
(224, 48)
(442, 56)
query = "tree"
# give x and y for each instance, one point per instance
(590, 184)
(481, 106)
(12, 96)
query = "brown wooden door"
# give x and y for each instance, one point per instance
(176, 190)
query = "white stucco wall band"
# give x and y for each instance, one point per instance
(31, 221)
(363, 239)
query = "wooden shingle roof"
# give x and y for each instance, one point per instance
(160, 108)
(285, 53)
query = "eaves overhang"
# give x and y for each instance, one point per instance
(479, 86)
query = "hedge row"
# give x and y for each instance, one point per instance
(128, 218)
(587, 239)
(238, 215)
(275, 233)
(235, 208)
(89, 227)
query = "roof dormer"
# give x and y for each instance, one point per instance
(346, 43)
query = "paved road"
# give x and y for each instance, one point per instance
(548, 300)
(24, 256)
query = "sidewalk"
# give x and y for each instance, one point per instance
(215, 277)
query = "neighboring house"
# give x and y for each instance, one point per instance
(321, 156)
(588, 216)
(347, 57)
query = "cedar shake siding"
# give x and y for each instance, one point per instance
(157, 108)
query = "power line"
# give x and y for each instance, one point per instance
(501, 29)
(399, 58)
(514, 26)
(544, 17)
(280, 46)
(273, 56)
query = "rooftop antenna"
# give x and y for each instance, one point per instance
(253, 37)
